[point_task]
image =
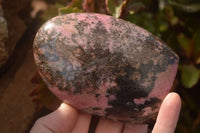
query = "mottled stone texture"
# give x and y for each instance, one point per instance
(105, 66)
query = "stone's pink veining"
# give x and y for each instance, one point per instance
(147, 111)
(162, 86)
(82, 101)
(139, 101)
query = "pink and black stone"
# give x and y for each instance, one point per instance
(105, 66)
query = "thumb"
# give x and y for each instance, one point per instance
(62, 120)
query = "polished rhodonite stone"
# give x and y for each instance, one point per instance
(105, 66)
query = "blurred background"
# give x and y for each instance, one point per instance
(23, 95)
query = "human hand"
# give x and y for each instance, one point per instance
(66, 119)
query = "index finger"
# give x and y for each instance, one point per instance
(168, 114)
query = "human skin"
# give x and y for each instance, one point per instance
(66, 119)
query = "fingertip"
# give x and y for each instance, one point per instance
(174, 95)
(172, 100)
(168, 114)
(65, 108)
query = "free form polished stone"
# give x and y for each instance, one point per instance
(105, 66)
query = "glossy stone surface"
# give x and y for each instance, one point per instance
(105, 66)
